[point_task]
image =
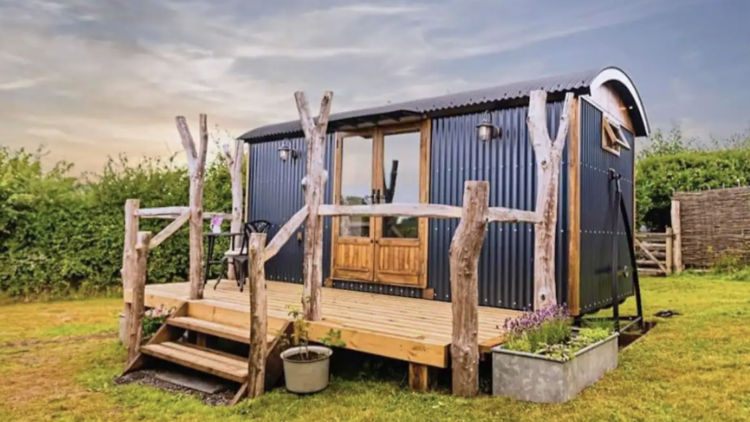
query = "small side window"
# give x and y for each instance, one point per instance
(613, 137)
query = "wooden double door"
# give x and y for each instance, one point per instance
(379, 166)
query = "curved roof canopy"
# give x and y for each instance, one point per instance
(508, 95)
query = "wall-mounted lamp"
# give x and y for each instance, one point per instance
(286, 150)
(486, 131)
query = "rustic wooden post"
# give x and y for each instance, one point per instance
(464, 259)
(258, 315)
(677, 228)
(196, 160)
(314, 187)
(138, 295)
(548, 157)
(234, 164)
(128, 255)
(419, 377)
(669, 248)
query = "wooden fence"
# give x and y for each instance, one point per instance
(661, 253)
(655, 253)
(715, 224)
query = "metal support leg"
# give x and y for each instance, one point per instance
(633, 262)
(207, 259)
(620, 203)
(614, 177)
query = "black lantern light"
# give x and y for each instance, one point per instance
(486, 131)
(286, 150)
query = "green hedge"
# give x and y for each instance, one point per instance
(58, 232)
(674, 165)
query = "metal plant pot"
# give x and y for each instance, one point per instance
(306, 377)
(540, 379)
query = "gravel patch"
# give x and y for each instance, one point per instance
(148, 377)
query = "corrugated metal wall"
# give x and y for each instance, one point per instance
(598, 209)
(276, 195)
(506, 264)
(507, 261)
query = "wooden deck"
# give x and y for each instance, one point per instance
(413, 330)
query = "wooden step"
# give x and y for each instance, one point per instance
(241, 335)
(204, 360)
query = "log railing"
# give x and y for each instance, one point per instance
(464, 258)
(506, 215)
(465, 247)
(135, 258)
(464, 251)
(170, 213)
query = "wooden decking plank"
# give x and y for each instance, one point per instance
(198, 360)
(363, 298)
(223, 358)
(409, 329)
(237, 315)
(353, 321)
(423, 322)
(358, 308)
(218, 330)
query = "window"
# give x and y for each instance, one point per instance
(613, 138)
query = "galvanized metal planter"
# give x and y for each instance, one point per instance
(536, 378)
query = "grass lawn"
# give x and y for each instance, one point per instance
(58, 361)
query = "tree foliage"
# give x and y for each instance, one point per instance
(59, 232)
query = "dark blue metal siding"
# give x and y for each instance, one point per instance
(378, 288)
(276, 195)
(507, 261)
(598, 209)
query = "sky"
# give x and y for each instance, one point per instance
(90, 79)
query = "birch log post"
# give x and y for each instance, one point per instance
(234, 164)
(128, 254)
(315, 133)
(258, 312)
(548, 157)
(196, 159)
(464, 259)
(135, 323)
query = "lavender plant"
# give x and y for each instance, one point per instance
(548, 332)
(534, 331)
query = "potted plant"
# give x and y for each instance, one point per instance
(546, 360)
(306, 367)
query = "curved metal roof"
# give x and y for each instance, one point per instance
(509, 93)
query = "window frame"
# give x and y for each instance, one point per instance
(613, 137)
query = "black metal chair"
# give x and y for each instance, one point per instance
(241, 256)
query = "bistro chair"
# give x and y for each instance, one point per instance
(240, 256)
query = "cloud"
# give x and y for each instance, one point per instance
(110, 76)
(20, 84)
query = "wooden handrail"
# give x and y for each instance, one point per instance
(284, 234)
(425, 210)
(390, 210)
(171, 213)
(152, 212)
(168, 231)
(507, 215)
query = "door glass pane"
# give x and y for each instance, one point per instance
(401, 182)
(356, 184)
